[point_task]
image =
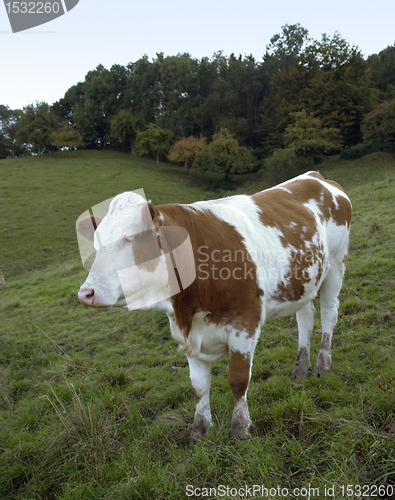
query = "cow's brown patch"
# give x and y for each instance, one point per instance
(228, 299)
(297, 224)
(320, 260)
(238, 374)
(198, 397)
(284, 209)
(342, 214)
(292, 288)
(337, 208)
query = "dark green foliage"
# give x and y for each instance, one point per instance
(9, 127)
(284, 164)
(328, 78)
(36, 125)
(379, 126)
(309, 138)
(306, 143)
(224, 156)
(124, 128)
(221, 185)
(285, 49)
(354, 152)
(255, 101)
(383, 67)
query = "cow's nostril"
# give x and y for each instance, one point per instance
(86, 296)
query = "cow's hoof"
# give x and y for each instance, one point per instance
(239, 432)
(195, 437)
(300, 372)
(200, 429)
(302, 364)
(324, 363)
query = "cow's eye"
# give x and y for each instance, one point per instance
(129, 239)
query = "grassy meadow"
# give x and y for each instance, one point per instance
(100, 406)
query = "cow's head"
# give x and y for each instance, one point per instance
(133, 256)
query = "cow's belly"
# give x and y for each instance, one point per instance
(206, 341)
(214, 343)
(277, 310)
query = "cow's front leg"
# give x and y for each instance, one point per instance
(200, 372)
(239, 373)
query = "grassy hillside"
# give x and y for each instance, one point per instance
(99, 406)
(42, 196)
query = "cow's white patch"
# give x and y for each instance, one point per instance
(206, 341)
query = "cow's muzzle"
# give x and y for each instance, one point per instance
(87, 296)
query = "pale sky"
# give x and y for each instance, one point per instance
(42, 63)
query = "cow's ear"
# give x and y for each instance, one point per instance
(86, 227)
(156, 216)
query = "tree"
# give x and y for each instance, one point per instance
(284, 99)
(186, 150)
(379, 126)
(104, 94)
(309, 138)
(224, 156)
(284, 164)
(232, 90)
(285, 49)
(305, 140)
(142, 92)
(124, 127)
(36, 126)
(383, 67)
(9, 127)
(340, 102)
(330, 53)
(178, 91)
(340, 91)
(65, 108)
(153, 141)
(330, 79)
(66, 137)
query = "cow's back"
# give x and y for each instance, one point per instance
(262, 256)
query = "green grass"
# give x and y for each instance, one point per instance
(42, 196)
(99, 406)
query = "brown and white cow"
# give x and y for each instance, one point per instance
(257, 258)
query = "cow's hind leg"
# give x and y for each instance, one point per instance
(329, 303)
(305, 319)
(200, 373)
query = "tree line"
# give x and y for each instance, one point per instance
(310, 96)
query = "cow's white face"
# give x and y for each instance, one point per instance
(129, 268)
